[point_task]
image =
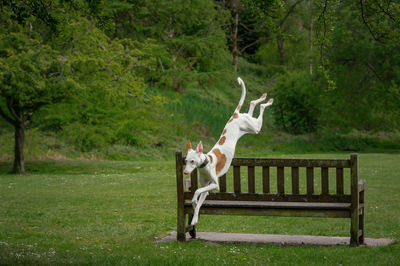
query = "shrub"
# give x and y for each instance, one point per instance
(296, 107)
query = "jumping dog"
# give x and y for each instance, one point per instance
(216, 162)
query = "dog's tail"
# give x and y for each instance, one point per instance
(240, 81)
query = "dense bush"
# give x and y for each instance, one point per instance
(296, 105)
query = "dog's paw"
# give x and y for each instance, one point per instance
(268, 103)
(264, 96)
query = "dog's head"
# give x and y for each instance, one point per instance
(193, 157)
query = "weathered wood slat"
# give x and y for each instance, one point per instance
(280, 175)
(193, 181)
(181, 236)
(273, 212)
(295, 180)
(222, 183)
(325, 180)
(274, 197)
(265, 178)
(310, 180)
(273, 205)
(339, 181)
(251, 179)
(277, 162)
(236, 179)
(354, 239)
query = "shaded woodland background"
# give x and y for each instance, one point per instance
(132, 79)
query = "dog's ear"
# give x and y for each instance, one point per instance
(189, 145)
(199, 148)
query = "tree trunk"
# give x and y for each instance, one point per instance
(311, 38)
(235, 48)
(280, 43)
(19, 137)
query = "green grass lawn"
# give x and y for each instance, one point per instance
(111, 212)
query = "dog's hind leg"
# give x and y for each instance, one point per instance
(255, 102)
(251, 124)
(270, 102)
(260, 116)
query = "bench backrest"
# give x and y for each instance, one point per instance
(273, 178)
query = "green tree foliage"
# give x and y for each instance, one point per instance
(46, 59)
(288, 44)
(92, 71)
(363, 60)
(185, 38)
(356, 48)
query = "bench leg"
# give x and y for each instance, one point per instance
(361, 221)
(361, 226)
(354, 240)
(357, 227)
(181, 234)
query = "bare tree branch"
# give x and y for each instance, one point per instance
(250, 30)
(321, 47)
(290, 11)
(249, 45)
(13, 113)
(372, 69)
(6, 117)
(366, 23)
(385, 11)
(30, 30)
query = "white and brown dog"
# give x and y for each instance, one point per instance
(216, 162)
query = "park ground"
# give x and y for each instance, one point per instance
(112, 212)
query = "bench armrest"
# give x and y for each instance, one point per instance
(361, 185)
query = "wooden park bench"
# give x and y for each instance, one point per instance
(314, 201)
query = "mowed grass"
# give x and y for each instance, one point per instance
(111, 212)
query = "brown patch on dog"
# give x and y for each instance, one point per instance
(222, 140)
(189, 145)
(230, 120)
(235, 115)
(224, 132)
(239, 107)
(221, 160)
(211, 159)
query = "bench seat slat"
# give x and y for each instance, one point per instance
(277, 162)
(273, 205)
(272, 212)
(273, 197)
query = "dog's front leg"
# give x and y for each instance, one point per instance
(197, 208)
(199, 191)
(202, 192)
